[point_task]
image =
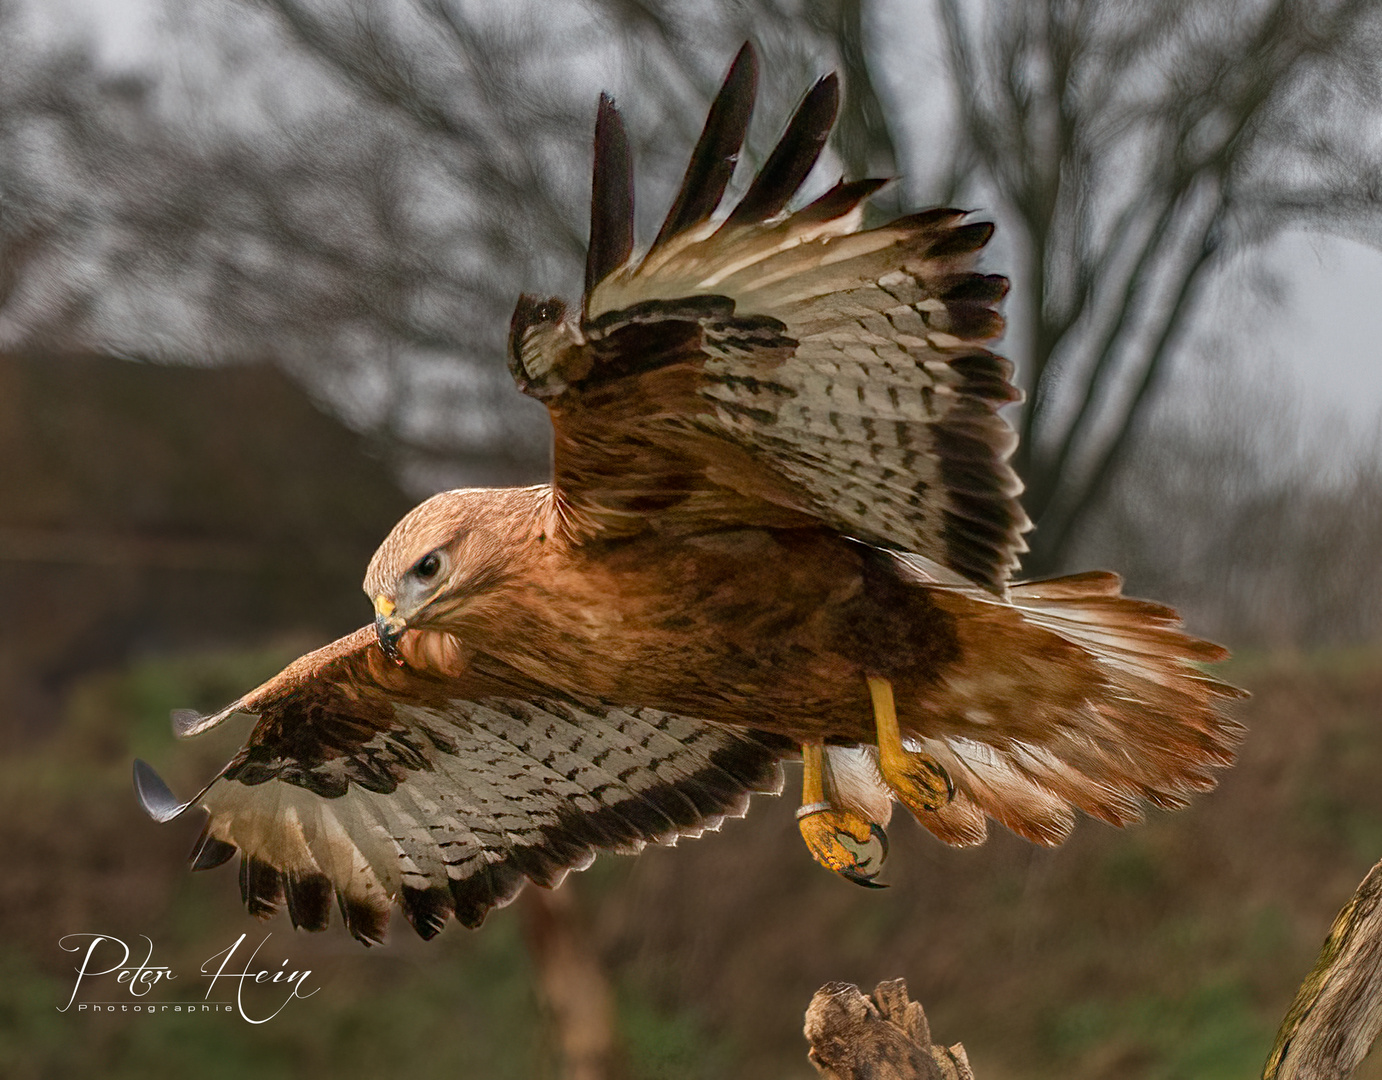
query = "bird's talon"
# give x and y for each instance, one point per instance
(860, 880)
(844, 842)
(919, 781)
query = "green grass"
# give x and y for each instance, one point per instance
(1211, 1032)
(663, 1045)
(1119, 955)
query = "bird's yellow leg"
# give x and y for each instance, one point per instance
(839, 839)
(918, 780)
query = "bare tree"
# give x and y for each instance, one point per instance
(364, 205)
(356, 191)
(1137, 146)
(497, 112)
(1258, 531)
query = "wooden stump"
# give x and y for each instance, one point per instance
(885, 1037)
(1338, 1010)
(1328, 1030)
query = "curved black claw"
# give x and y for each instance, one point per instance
(882, 838)
(859, 879)
(832, 837)
(856, 873)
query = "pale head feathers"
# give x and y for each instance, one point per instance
(476, 537)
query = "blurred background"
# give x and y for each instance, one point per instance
(257, 259)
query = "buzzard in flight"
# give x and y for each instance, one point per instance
(781, 522)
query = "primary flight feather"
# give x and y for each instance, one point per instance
(781, 522)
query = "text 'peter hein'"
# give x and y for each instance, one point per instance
(104, 956)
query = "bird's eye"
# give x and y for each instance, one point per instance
(428, 565)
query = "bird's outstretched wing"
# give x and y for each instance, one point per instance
(769, 367)
(378, 784)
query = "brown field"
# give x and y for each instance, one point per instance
(1170, 950)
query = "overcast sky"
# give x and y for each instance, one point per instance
(1330, 332)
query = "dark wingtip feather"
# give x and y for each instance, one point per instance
(611, 197)
(961, 240)
(717, 150)
(986, 377)
(492, 887)
(209, 853)
(838, 201)
(971, 322)
(368, 923)
(471, 900)
(309, 901)
(261, 887)
(977, 289)
(427, 909)
(794, 156)
(934, 218)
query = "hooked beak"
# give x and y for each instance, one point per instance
(389, 627)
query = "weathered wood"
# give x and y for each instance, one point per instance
(885, 1037)
(1337, 1012)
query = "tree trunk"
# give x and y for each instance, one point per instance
(572, 985)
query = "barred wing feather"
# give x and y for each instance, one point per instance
(775, 368)
(379, 785)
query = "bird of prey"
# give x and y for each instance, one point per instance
(781, 522)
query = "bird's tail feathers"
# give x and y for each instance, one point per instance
(1068, 695)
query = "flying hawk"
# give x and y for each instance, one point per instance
(781, 522)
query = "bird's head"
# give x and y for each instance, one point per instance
(446, 554)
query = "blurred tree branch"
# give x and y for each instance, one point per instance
(1328, 1030)
(572, 985)
(1258, 523)
(1138, 146)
